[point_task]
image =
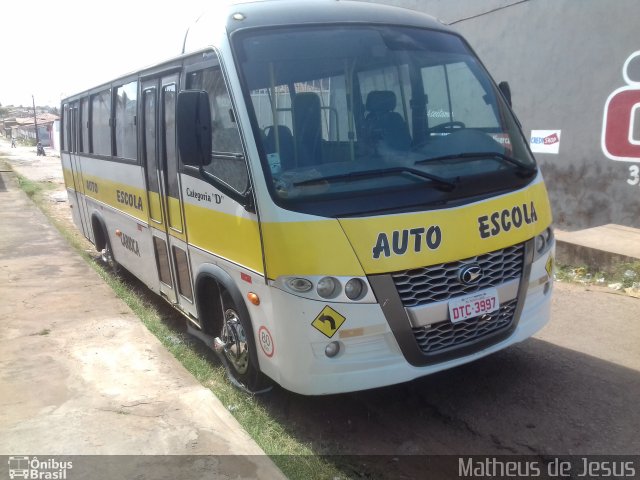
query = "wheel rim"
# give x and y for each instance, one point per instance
(107, 256)
(236, 348)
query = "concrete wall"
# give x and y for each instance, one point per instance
(563, 60)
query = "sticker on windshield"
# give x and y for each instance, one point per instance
(504, 140)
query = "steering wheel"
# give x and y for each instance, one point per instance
(447, 126)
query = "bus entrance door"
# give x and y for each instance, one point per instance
(165, 206)
(74, 138)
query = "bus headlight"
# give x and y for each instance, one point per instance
(543, 243)
(339, 289)
(354, 289)
(299, 284)
(327, 287)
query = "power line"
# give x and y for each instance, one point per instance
(487, 12)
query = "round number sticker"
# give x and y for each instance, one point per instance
(266, 342)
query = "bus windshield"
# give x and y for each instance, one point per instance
(357, 111)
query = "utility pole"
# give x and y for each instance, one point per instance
(35, 118)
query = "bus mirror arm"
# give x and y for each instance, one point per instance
(193, 116)
(506, 91)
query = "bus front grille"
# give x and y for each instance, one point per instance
(445, 335)
(437, 283)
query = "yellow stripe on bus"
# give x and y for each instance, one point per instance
(143, 205)
(68, 178)
(236, 239)
(391, 243)
(308, 248)
(126, 198)
(175, 217)
(400, 242)
(155, 210)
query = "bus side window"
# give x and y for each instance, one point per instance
(228, 163)
(100, 126)
(66, 135)
(84, 125)
(125, 116)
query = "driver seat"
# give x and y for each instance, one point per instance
(383, 125)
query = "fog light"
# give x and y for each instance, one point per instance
(332, 349)
(327, 287)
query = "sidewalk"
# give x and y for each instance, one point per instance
(600, 247)
(81, 375)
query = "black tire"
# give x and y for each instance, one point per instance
(240, 352)
(106, 256)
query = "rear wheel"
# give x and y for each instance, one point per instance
(239, 348)
(107, 258)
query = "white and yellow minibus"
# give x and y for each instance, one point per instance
(335, 194)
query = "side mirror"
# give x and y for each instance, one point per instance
(506, 91)
(193, 116)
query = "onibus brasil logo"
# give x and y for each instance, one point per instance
(32, 467)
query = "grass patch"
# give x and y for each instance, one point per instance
(32, 189)
(37, 191)
(622, 276)
(44, 331)
(296, 459)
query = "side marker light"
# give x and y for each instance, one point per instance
(253, 298)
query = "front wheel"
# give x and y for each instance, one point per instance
(239, 350)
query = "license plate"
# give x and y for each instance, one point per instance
(472, 305)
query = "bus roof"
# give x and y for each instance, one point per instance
(274, 13)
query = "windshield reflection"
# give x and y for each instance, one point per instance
(348, 103)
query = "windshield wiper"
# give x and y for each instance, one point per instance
(529, 169)
(345, 177)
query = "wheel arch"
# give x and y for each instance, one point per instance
(99, 231)
(212, 277)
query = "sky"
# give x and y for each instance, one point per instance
(55, 48)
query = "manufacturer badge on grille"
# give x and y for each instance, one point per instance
(470, 274)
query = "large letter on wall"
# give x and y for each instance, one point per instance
(620, 112)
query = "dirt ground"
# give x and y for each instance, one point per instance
(570, 390)
(27, 163)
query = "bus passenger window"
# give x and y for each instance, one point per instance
(84, 122)
(65, 137)
(125, 130)
(228, 163)
(100, 128)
